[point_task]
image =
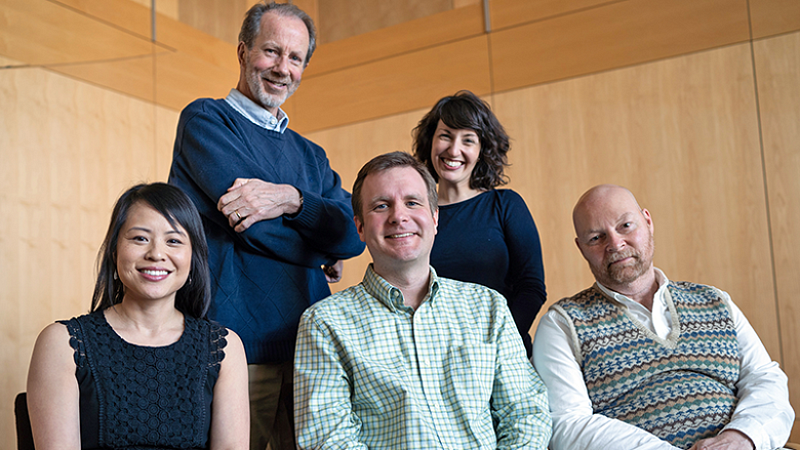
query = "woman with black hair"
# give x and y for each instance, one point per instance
(141, 369)
(485, 235)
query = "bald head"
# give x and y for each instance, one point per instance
(598, 197)
(615, 236)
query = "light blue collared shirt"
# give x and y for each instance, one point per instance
(256, 113)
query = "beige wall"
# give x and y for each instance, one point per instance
(673, 99)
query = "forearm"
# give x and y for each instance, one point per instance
(327, 224)
(209, 157)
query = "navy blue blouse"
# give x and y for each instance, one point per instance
(491, 239)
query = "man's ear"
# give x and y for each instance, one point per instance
(359, 228)
(648, 219)
(241, 53)
(436, 221)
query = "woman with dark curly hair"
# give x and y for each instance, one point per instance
(142, 368)
(486, 235)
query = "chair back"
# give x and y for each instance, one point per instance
(24, 434)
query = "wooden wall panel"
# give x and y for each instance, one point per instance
(166, 124)
(615, 35)
(68, 149)
(219, 18)
(132, 76)
(40, 32)
(130, 15)
(167, 7)
(778, 71)
(340, 19)
(200, 65)
(390, 86)
(181, 78)
(682, 134)
(508, 13)
(108, 43)
(771, 17)
(407, 37)
(6, 63)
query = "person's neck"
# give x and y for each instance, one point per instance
(412, 281)
(149, 319)
(642, 290)
(454, 193)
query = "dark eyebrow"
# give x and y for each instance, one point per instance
(148, 230)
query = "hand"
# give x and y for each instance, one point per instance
(250, 200)
(333, 273)
(727, 440)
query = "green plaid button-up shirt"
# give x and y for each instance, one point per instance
(373, 373)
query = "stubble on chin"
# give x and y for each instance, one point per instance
(622, 274)
(627, 273)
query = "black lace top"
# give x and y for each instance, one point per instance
(134, 397)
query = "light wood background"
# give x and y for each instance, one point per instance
(692, 104)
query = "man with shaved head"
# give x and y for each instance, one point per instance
(641, 362)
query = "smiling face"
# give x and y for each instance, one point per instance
(615, 236)
(398, 225)
(271, 70)
(153, 257)
(454, 153)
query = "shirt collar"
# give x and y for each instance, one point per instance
(256, 113)
(658, 298)
(391, 296)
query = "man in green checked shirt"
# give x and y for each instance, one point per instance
(405, 359)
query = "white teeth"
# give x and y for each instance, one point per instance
(401, 235)
(155, 273)
(276, 83)
(451, 163)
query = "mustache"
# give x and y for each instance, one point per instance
(621, 255)
(266, 75)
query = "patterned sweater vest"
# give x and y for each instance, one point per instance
(680, 389)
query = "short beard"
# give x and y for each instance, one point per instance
(255, 83)
(612, 275)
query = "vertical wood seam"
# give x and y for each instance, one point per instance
(766, 185)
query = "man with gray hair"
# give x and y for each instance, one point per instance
(406, 359)
(277, 219)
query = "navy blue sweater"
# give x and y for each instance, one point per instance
(265, 277)
(491, 240)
